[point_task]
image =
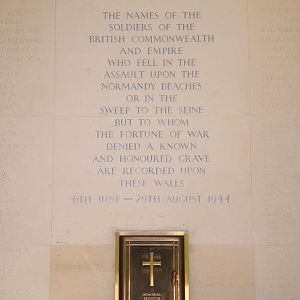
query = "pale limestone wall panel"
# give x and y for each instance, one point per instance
(222, 272)
(216, 272)
(276, 177)
(275, 145)
(24, 272)
(26, 180)
(274, 40)
(27, 32)
(82, 272)
(81, 65)
(79, 217)
(277, 272)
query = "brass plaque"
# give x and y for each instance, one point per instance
(151, 266)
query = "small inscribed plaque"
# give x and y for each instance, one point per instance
(151, 266)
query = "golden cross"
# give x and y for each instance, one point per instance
(151, 264)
